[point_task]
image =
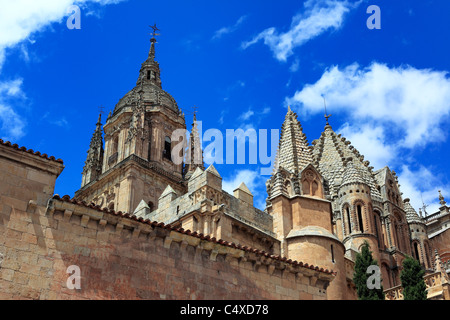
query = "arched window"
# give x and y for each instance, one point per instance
(167, 152)
(360, 220)
(375, 225)
(349, 221)
(332, 254)
(416, 251)
(314, 188)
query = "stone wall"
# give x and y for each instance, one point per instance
(121, 257)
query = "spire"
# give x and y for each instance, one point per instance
(150, 73)
(293, 153)
(194, 156)
(151, 54)
(93, 165)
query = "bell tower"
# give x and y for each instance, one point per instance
(137, 161)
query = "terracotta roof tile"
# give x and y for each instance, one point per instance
(31, 151)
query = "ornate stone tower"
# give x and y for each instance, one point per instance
(302, 216)
(137, 160)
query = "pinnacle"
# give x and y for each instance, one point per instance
(244, 188)
(293, 151)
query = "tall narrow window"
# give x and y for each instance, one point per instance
(167, 153)
(359, 211)
(148, 75)
(349, 222)
(332, 254)
(375, 224)
(416, 251)
(115, 145)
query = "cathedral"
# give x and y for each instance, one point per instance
(324, 200)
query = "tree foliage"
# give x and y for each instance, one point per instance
(363, 261)
(413, 284)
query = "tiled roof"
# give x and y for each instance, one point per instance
(411, 214)
(293, 150)
(330, 153)
(67, 198)
(31, 151)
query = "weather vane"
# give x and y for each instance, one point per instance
(155, 28)
(326, 115)
(100, 109)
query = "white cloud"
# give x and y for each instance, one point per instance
(319, 16)
(12, 124)
(421, 184)
(246, 115)
(410, 104)
(370, 141)
(226, 30)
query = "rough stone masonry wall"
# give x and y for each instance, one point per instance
(122, 258)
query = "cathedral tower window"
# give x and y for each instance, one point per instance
(416, 251)
(349, 222)
(167, 152)
(360, 220)
(115, 145)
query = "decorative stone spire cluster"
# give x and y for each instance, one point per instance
(94, 161)
(331, 153)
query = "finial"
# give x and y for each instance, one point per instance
(155, 28)
(100, 108)
(326, 115)
(441, 198)
(424, 206)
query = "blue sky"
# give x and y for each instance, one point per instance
(240, 63)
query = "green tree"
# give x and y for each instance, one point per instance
(372, 289)
(413, 284)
